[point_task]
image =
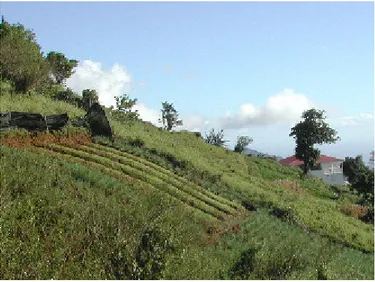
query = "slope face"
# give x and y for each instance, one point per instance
(155, 176)
(159, 184)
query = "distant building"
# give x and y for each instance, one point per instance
(329, 169)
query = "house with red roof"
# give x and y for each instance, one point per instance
(330, 169)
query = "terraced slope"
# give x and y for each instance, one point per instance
(128, 167)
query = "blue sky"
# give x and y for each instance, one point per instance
(250, 68)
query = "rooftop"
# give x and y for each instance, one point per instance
(292, 160)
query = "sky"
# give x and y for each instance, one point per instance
(249, 68)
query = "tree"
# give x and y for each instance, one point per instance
(68, 96)
(124, 103)
(169, 116)
(61, 68)
(312, 130)
(242, 142)
(360, 177)
(89, 97)
(216, 139)
(21, 59)
(123, 111)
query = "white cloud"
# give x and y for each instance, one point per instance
(108, 83)
(148, 114)
(194, 123)
(355, 120)
(284, 106)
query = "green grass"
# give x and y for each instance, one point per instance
(120, 176)
(167, 172)
(280, 251)
(64, 220)
(76, 210)
(165, 175)
(145, 177)
(38, 104)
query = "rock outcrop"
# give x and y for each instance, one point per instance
(98, 122)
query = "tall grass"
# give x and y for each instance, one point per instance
(38, 104)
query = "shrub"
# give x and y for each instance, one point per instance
(244, 266)
(242, 142)
(151, 256)
(216, 139)
(369, 216)
(136, 142)
(355, 211)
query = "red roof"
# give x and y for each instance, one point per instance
(322, 159)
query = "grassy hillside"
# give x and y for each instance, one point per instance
(156, 204)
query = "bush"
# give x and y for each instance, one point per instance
(151, 256)
(149, 262)
(355, 211)
(216, 139)
(136, 142)
(369, 216)
(244, 266)
(242, 142)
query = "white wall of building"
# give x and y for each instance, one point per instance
(331, 173)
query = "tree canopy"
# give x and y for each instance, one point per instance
(89, 96)
(360, 177)
(61, 68)
(169, 116)
(123, 111)
(21, 59)
(242, 142)
(309, 132)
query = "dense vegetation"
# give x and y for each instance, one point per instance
(153, 204)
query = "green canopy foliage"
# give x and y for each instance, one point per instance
(242, 142)
(89, 97)
(21, 59)
(123, 111)
(360, 177)
(312, 130)
(60, 66)
(169, 116)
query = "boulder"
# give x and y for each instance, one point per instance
(79, 122)
(56, 121)
(5, 120)
(29, 121)
(98, 122)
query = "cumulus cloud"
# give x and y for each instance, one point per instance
(148, 114)
(108, 83)
(194, 123)
(284, 106)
